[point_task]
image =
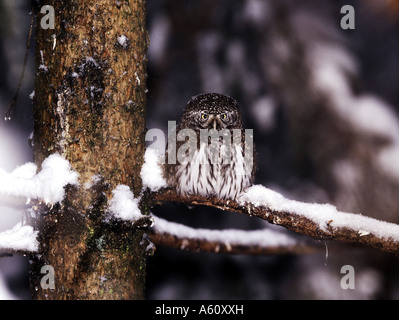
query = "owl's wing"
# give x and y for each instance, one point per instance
(171, 165)
(250, 153)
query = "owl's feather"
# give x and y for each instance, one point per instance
(224, 176)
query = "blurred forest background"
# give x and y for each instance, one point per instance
(323, 103)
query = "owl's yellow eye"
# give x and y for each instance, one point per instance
(223, 116)
(204, 116)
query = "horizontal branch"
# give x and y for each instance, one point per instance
(319, 221)
(19, 240)
(257, 242)
(8, 252)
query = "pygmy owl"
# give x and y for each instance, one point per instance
(212, 154)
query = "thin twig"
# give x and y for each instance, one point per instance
(13, 104)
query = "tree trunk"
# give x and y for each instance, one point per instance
(90, 107)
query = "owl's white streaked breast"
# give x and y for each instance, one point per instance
(224, 177)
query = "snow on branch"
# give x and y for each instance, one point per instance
(123, 205)
(47, 185)
(320, 221)
(265, 241)
(21, 239)
(151, 171)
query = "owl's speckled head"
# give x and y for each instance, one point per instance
(211, 111)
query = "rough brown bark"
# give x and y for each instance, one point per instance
(90, 107)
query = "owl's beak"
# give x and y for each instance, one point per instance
(214, 123)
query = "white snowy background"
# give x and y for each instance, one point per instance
(323, 103)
